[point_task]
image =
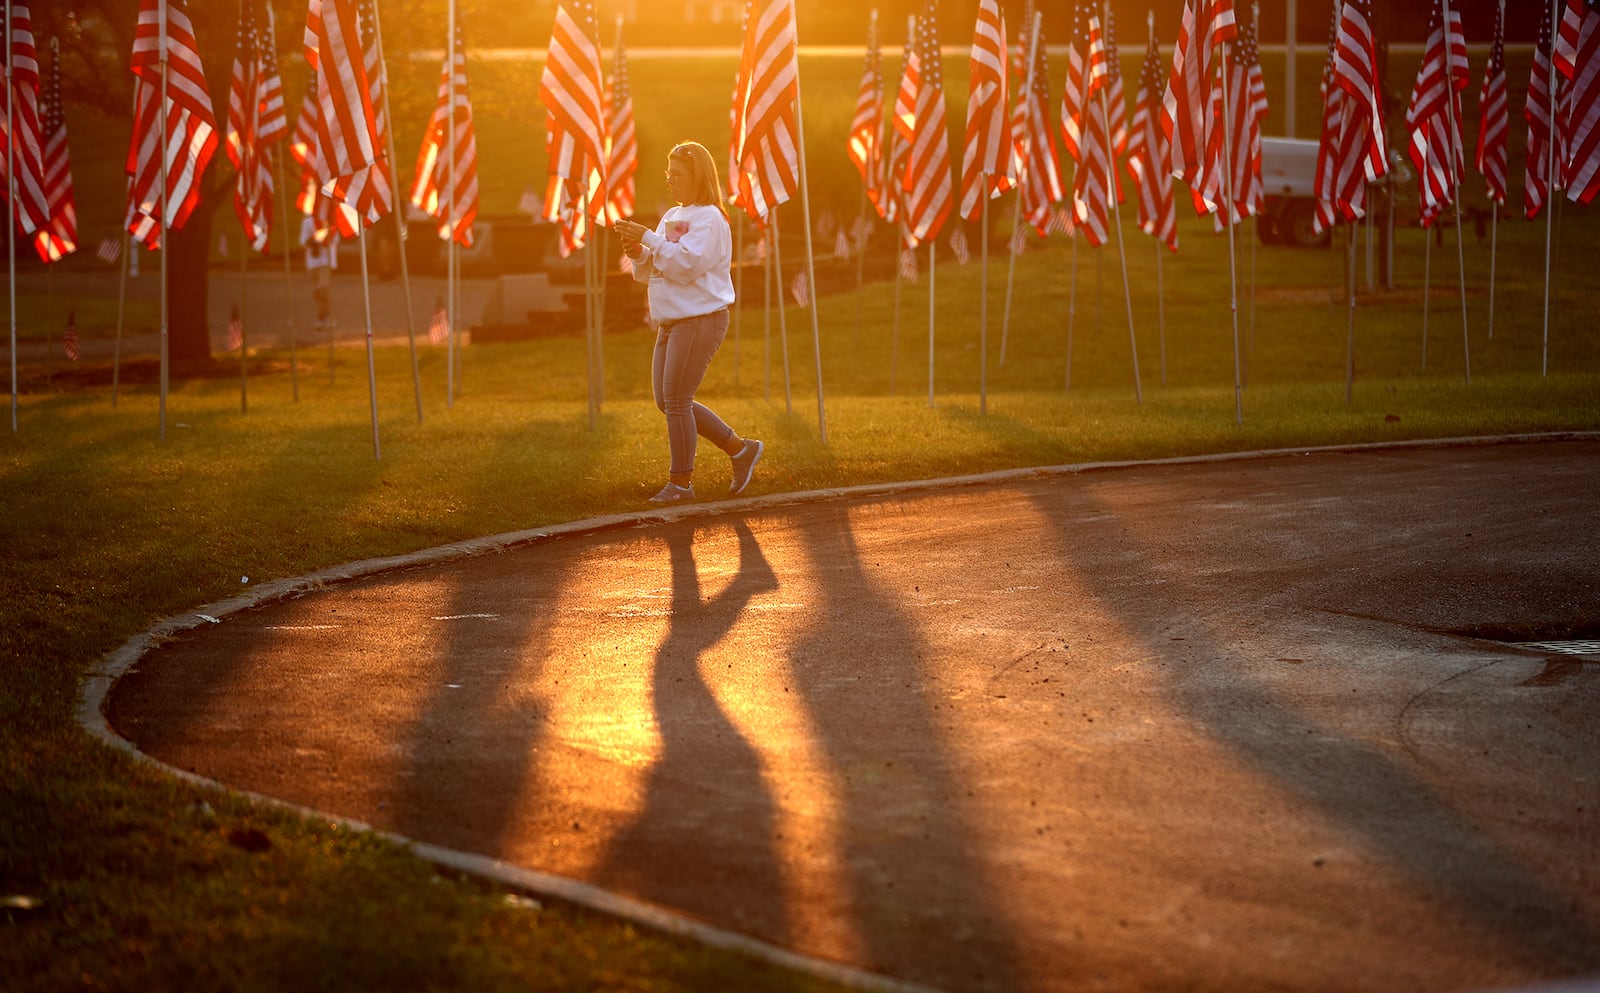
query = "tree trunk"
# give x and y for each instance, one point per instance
(188, 331)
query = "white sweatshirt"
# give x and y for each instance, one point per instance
(686, 263)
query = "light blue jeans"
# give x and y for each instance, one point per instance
(682, 356)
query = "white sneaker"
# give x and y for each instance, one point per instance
(673, 493)
(744, 465)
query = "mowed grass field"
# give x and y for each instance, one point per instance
(115, 876)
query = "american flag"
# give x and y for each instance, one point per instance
(347, 125)
(109, 250)
(235, 330)
(908, 264)
(1188, 118)
(191, 132)
(1091, 187)
(768, 156)
(866, 124)
(622, 144)
(958, 245)
(891, 198)
(305, 149)
(1247, 110)
(255, 118)
(1147, 155)
(439, 325)
(1034, 139)
(69, 337)
(800, 288)
(572, 92)
(33, 208)
(919, 119)
(1538, 112)
(1351, 152)
(1116, 98)
(741, 83)
(381, 178)
(446, 185)
(1577, 55)
(985, 157)
(1434, 116)
(1074, 92)
(1494, 116)
(59, 237)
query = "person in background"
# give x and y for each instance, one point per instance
(322, 258)
(686, 263)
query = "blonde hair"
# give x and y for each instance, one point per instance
(705, 186)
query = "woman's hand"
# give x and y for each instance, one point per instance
(630, 232)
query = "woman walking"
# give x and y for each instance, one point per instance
(686, 262)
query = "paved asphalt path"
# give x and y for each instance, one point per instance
(1209, 726)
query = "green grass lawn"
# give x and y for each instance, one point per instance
(133, 879)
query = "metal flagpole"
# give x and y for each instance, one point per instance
(766, 314)
(1550, 197)
(1494, 241)
(399, 209)
(1161, 314)
(166, 233)
(983, 300)
(288, 279)
(122, 296)
(450, 242)
(1455, 174)
(1233, 264)
(11, 211)
(372, 366)
(1350, 294)
(1427, 288)
(930, 322)
(894, 332)
(244, 322)
(1034, 19)
(1072, 290)
(1116, 219)
(588, 309)
(783, 306)
(811, 271)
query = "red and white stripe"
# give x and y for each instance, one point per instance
(446, 184)
(622, 142)
(1538, 112)
(347, 131)
(32, 203)
(768, 149)
(1092, 184)
(191, 133)
(1247, 111)
(59, 237)
(919, 119)
(985, 157)
(1434, 116)
(1351, 153)
(572, 91)
(866, 125)
(1147, 155)
(1494, 124)
(1033, 138)
(1188, 116)
(255, 118)
(1577, 55)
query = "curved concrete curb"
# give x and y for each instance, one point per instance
(98, 683)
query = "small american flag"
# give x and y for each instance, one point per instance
(255, 119)
(1351, 152)
(109, 250)
(919, 120)
(768, 153)
(446, 186)
(908, 264)
(1034, 142)
(347, 123)
(801, 289)
(1019, 240)
(1247, 112)
(1494, 118)
(1091, 188)
(986, 163)
(439, 326)
(572, 92)
(1538, 112)
(69, 338)
(1577, 55)
(60, 236)
(191, 132)
(622, 143)
(1147, 156)
(958, 245)
(235, 331)
(1434, 117)
(866, 125)
(32, 200)
(841, 244)
(1187, 115)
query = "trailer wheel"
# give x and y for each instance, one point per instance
(1297, 225)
